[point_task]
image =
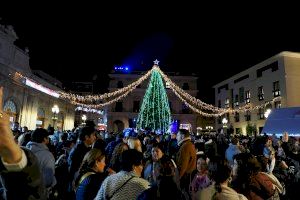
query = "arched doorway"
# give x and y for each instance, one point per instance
(40, 119)
(11, 109)
(118, 126)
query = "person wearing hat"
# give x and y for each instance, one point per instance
(46, 160)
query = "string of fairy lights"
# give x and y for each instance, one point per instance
(194, 102)
(94, 98)
(196, 105)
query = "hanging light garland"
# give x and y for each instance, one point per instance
(197, 110)
(93, 98)
(202, 105)
(192, 99)
(180, 93)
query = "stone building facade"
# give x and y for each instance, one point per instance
(28, 96)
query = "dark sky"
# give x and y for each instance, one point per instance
(74, 42)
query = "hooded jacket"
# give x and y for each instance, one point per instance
(46, 162)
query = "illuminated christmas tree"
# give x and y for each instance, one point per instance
(155, 110)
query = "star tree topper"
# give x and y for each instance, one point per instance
(156, 62)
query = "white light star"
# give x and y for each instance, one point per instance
(156, 62)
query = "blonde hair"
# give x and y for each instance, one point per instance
(134, 143)
(90, 159)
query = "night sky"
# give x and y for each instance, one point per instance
(213, 42)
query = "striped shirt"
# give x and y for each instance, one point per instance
(130, 190)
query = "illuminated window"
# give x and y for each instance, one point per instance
(227, 103)
(248, 95)
(168, 86)
(260, 93)
(276, 89)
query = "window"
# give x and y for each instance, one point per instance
(185, 86)
(119, 84)
(10, 106)
(237, 117)
(236, 100)
(260, 93)
(136, 106)
(248, 95)
(260, 114)
(168, 86)
(276, 89)
(248, 116)
(241, 94)
(277, 104)
(227, 103)
(119, 107)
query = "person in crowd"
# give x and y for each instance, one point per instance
(201, 179)
(86, 139)
(152, 166)
(232, 150)
(290, 146)
(19, 168)
(127, 183)
(264, 162)
(24, 138)
(111, 146)
(147, 147)
(172, 146)
(115, 162)
(62, 143)
(134, 143)
(220, 172)
(91, 175)
(99, 144)
(268, 148)
(38, 145)
(165, 186)
(186, 159)
(249, 179)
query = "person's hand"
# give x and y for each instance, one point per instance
(285, 137)
(10, 152)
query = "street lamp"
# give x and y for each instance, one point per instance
(83, 117)
(224, 122)
(267, 113)
(55, 110)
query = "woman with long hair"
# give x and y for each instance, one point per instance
(91, 175)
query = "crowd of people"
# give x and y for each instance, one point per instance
(85, 164)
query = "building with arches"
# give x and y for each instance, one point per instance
(123, 114)
(28, 95)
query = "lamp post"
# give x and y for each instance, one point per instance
(83, 117)
(224, 122)
(55, 111)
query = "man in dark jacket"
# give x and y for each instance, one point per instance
(86, 138)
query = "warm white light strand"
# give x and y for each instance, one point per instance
(184, 95)
(94, 98)
(197, 110)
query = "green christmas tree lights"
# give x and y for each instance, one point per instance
(155, 110)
